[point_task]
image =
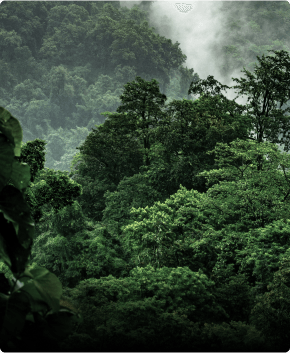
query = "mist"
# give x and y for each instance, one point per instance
(200, 32)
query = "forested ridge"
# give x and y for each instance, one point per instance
(160, 204)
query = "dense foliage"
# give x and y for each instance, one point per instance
(31, 304)
(171, 230)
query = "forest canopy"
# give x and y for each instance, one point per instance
(161, 204)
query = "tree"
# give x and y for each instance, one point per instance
(124, 132)
(116, 153)
(65, 27)
(32, 305)
(142, 102)
(231, 230)
(47, 186)
(189, 130)
(118, 147)
(216, 234)
(268, 122)
(130, 139)
(246, 214)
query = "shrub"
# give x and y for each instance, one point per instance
(164, 309)
(271, 314)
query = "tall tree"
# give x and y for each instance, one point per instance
(126, 142)
(272, 85)
(192, 129)
(171, 144)
(47, 186)
(119, 147)
(239, 227)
